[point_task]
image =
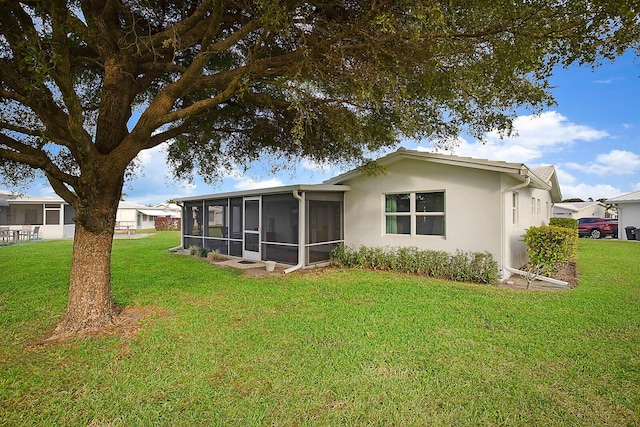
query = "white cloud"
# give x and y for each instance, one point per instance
(45, 190)
(585, 191)
(250, 184)
(603, 82)
(571, 188)
(548, 130)
(565, 178)
(154, 182)
(535, 136)
(616, 162)
(315, 166)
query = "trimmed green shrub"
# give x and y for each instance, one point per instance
(461, 266)
(202, 252)
(551, 246)
(570, 223)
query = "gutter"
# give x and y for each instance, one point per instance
(538, 277)
(301, 232)
(526, 183)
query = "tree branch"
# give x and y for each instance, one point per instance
(197, 20)
(33, 157)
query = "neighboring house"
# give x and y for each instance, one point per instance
(628, 211)
(429, 201)
(134, 216)
(580, 210)
(52, 215)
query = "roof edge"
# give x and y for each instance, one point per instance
(268, 190)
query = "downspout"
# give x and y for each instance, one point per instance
(183, 216)
(503, 261)
(301, 231)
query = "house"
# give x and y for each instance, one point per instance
(52, 215)
(628, 211)
(134, 216)
(580, 210)
(424, 200)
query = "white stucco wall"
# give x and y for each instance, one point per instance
(515, 251)
(593, 211)
(628, 214)
(476, 209)
(472, 207)
(124, 215)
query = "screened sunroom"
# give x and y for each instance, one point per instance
(297, 225)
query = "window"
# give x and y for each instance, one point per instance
(538, 207)
(51, 213)
(398, 213)
(415, 213)
(52, 217)
(514, 207)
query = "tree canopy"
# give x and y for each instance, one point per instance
(222, 81)
(226, 80)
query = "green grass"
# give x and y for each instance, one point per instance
(336, 348)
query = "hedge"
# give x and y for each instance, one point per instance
(570, 223)
(164, 223)
(461, 266)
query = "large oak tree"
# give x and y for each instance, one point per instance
(222, 81)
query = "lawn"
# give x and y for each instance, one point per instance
(332, 347)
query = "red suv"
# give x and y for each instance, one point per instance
(597, 227)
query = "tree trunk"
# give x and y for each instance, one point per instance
(90, 307)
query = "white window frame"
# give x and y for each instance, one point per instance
(408, 214)
(413, 214)
(515, 202)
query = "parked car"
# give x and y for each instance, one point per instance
(597, 227)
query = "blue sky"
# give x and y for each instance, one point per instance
(592, 137)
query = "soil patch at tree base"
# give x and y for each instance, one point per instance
(128, 322)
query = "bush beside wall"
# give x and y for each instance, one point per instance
(461, 266)
(570, 223)
(551, 246)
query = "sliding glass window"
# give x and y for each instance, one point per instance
(421, 214)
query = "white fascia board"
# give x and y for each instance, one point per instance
(268, 190)
(517, 169)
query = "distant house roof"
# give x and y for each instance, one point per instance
(3, 202)
(22, 198)
(131, 205)
(543, 177)
(157, 210)
(153, 212)
(625, 198)
(576, 206)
